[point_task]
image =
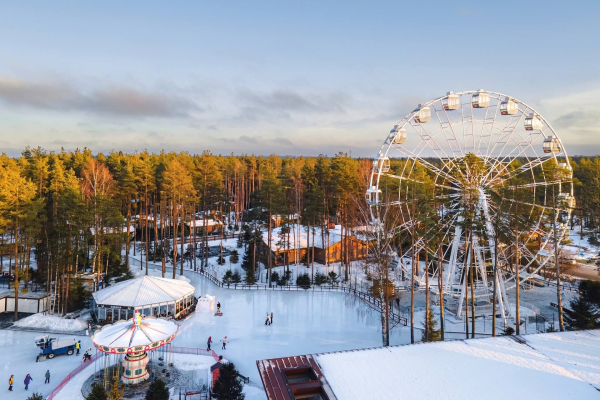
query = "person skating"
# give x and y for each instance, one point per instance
(271, 316)
(208, 342)
(11, 380)
(27, 380)
(224, 343)
(78, 347)
(219, 306)
(47, 377)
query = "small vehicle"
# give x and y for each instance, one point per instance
(51, 347)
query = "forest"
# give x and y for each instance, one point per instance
(63, 213)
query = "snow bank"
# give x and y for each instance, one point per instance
(190, 362)
(490, 367)
(184, 278)
(51, 323)
(253, 392)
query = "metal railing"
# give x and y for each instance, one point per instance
(73, 374)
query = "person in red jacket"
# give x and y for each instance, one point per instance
(208, 342)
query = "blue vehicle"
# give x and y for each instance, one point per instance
(51, 347)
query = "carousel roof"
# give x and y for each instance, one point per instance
(127, 336)
(143, 291)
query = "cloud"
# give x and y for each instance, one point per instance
(118, 100)
(282, 102)
(248, 139)
(283, 141)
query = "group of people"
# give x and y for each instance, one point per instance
(26, 381)
(223, 341)
(269, 320)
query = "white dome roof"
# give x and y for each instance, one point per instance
(143, 291)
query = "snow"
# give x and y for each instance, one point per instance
(52, 323)
(190, 362)
(547, 366)
(18, 358)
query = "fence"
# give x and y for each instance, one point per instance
(73, 373)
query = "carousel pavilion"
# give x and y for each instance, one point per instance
(150, 295)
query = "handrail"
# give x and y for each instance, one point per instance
(73, 373)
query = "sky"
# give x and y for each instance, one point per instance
(289, 78)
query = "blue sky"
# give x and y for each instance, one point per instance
(292, 78)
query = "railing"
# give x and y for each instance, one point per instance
(192, 350)
(73, 373)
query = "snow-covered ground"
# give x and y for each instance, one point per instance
(52, 323)
(548, 366)
(18, 353)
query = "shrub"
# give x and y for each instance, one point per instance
(228, 277)
(35, 396)
(320, 279)
(157, 390)
(236, 277)
(275, 277)
(303, 281)
(234, 256)
(333, 278)
(98, 393)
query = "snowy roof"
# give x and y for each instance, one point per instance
(552, 365)
(143, 291)
(125, 336)
(329, 238)
(110, 230)
(200, 222)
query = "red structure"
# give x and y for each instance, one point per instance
(291, 378)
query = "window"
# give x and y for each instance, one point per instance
(128, 372)
(138, 371)
(101, 313)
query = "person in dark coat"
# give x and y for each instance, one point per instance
(271, 316)
(27, 380)
(219, 306)
(208, 342)
(11, 380)
(47, 376)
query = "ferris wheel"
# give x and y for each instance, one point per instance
(483, 156)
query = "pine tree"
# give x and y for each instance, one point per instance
(582, 315)
(228, 386)
(240, 242)
(434, 334)
(115, 391)
(98, 393)
(236, 277)
(157, 390)
(303, 281)
(228, 277)
(35, 396)
(234, 256)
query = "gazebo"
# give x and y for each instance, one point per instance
(150, 295)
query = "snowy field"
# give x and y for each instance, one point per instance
(18, 353)
(548, 366)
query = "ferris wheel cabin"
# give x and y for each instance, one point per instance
(566, 200)
(451, 101)
(372, 196)
(551, 144)
(382, 164)
(480, 99)
(508, 107)
(423, 114)
(533, 123)
(399, 135)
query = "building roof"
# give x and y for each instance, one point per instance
(542, 366)
(278, 387)
(330, 237)
(28, 295)
(143, 291)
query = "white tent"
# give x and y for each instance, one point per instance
(143, 291)
(206, 303)
(151, 295)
